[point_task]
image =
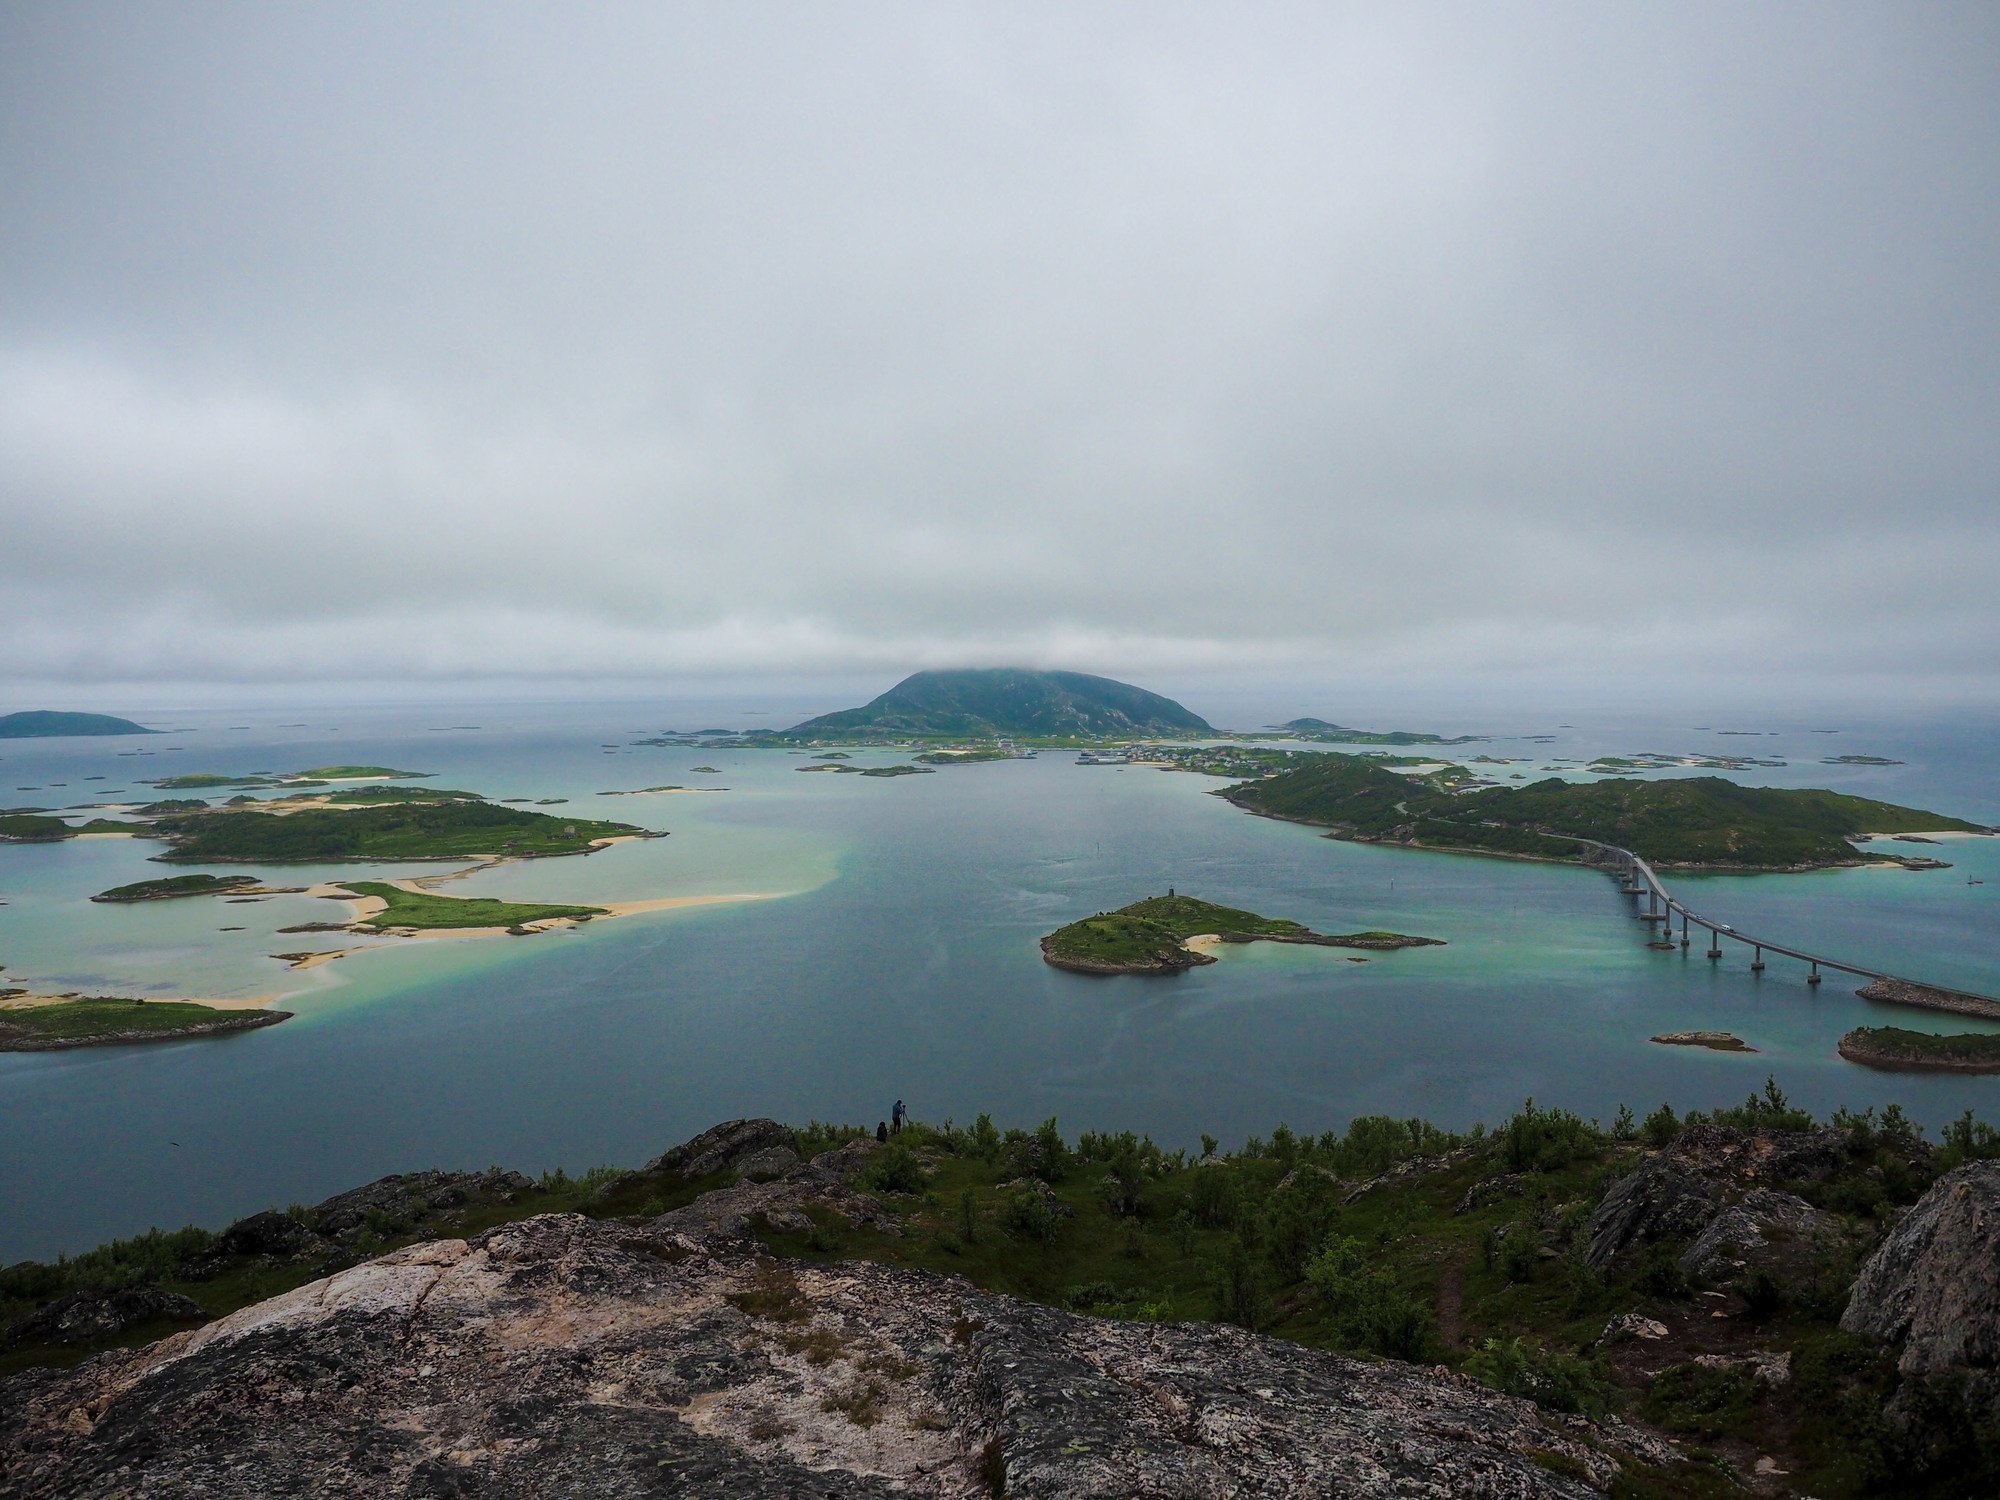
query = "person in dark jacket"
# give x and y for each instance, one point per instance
(882, 1131)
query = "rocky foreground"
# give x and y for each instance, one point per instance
(671, 1352)
(563, 1355)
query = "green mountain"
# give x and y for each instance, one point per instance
(41, 724)
(992, 702)
(1700, 820)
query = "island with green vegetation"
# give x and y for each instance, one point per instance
(1701, 822)
(1893, 1048)
(424, 911)
(1858, 760)
(1340, 734)
(173, 887)
(356, 773)
(1150, 936)
(1005, 703)
(840, 768)
(37, 828)
(317, 776)
(102, 1021)
(457, 826)
(44, 724)
(971, 755)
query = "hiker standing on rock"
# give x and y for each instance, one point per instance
(896, 1117)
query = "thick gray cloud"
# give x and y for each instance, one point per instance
(430, 341)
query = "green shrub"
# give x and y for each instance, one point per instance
(1559, 1382)
(1769, 1111)
(1214, 1198)
(1544, 1140)
(1519, 1255)
(1661, 1126)
(1706, 1403)
(1238, 1285)
(1026, 1215)
(1369, 1311)
(895, 1169)
(1296, 1220)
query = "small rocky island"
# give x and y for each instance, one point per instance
(1153, 936)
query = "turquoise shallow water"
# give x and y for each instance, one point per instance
(899, 960)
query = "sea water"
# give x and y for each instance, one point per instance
(894, 956)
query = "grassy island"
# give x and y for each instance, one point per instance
(425, 911)
(868, 770)
(1150, 936)
(1699, 822)
(452, 828)
(356, 773)
(174, 886)
(317, 776)
(1894, 1048)
(32, 828)
(1340, 734)
(102, 1020)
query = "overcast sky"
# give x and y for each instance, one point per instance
(357, 343)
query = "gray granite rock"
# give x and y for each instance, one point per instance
(563, 1356)
(1934, 1284)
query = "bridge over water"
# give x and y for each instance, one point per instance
(1640, 879)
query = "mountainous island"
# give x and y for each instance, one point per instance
(1151, 936)
(42, 724)
(1686, 1307)
(1320, 729)
(995, 703)
(1700, 822)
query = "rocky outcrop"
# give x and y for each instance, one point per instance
(1659, 1200)
(82, 1316)
(389, 1205)
(723, 1147)
(1934, 1284)
(1764, 1227)
(566, 1356)
(410, 1198)
(1682, 1188)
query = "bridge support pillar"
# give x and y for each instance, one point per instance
(1684, 927)
(1814, 977)
(1757, 963)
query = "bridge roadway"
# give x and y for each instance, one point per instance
(1642, 880)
